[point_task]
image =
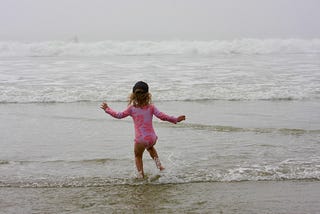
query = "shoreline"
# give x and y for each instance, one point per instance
(219, 197)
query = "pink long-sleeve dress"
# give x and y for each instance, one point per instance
(142, 118)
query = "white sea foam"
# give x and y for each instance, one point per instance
(176, 47)
(176, 70)
(290, 169)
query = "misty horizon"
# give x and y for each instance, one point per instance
(97, 20)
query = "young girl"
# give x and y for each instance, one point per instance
(141, 110)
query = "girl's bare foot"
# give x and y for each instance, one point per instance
(158, 164)
(140, 175)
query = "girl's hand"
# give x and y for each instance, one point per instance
(181, 118)
(104, 106)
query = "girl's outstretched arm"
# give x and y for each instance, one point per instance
(118, 115)
(165, 117)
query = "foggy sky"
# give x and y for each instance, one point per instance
(91, 20)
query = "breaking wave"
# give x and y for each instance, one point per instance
(176, 47)
(58, 94)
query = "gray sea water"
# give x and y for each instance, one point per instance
(250, 144)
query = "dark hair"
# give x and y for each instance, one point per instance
(142, 86)
(140, 95)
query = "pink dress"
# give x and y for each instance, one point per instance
(142, 118)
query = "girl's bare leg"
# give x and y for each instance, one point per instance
(138, 152)
(154, 155)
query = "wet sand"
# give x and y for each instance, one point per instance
(234, 197)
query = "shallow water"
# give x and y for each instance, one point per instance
(73, 158)
(77, 144)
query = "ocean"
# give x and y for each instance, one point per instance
(250, 144)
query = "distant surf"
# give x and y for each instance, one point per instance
(174, 47)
